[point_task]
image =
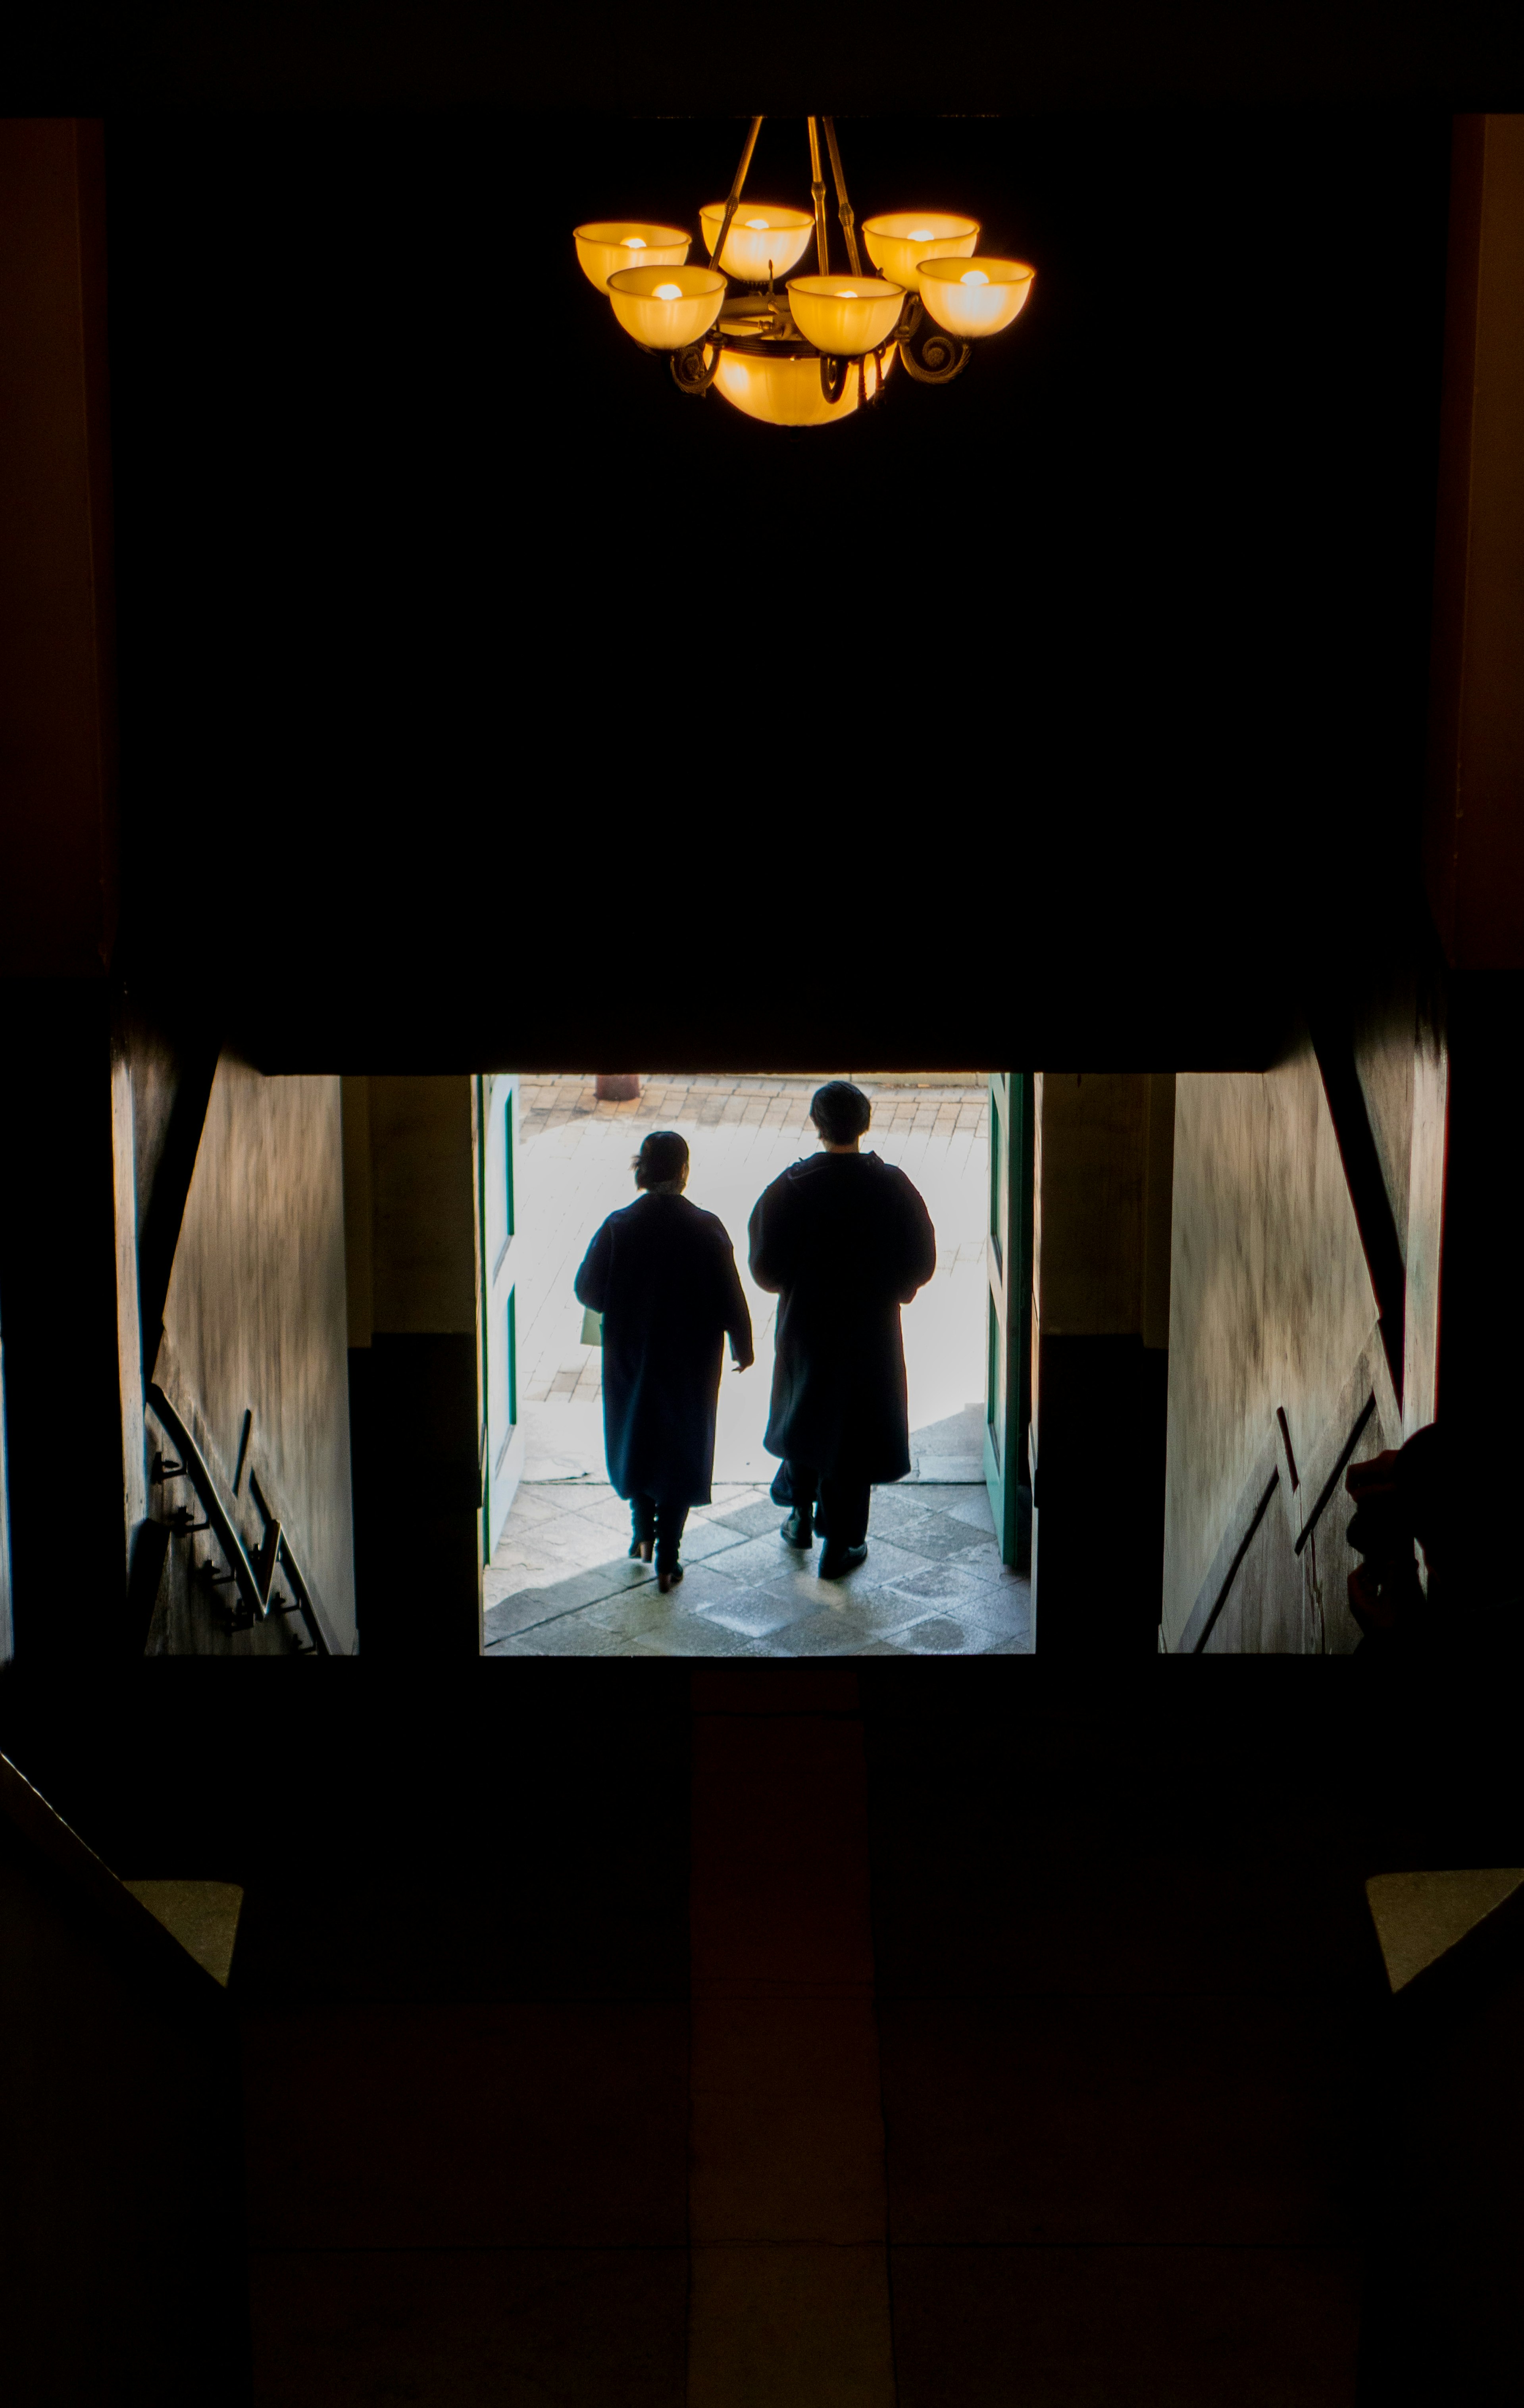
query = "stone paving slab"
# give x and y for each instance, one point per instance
(933, 1583)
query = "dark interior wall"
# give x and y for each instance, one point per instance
(418, 1416)
(1143, 595)
(58, 827)
(67, 1304)
(1100, 1322)
(121, 2213)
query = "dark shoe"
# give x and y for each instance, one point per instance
(641, 1549)
(668, 1580)
(834, 1561)
(799, 1530)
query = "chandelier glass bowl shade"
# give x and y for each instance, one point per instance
(897, 245)
(785, 391)
(625, 243)
(845, 315)
(666, 309)
(761, 242)
(823, 345)
(976, 297)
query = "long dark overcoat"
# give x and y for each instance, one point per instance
(662, 1275)
(844, 1240)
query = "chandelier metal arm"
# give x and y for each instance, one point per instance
(843, 207)
(823, 264)
(691, 371)
(833, 376)
(937, 358)
(734, 202)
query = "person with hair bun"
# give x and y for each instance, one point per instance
(663, 1275)
(842, 1240)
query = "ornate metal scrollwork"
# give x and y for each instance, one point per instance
(933, 357)
(833, 376)
(691, 372)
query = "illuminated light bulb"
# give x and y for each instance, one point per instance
(897, 244)
(770, 235)
(616, 243)
(666, 309)
(973, 301)
(843, 321)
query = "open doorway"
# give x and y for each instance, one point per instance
(558, 1580)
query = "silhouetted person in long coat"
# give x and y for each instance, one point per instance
(844, 1240)
(663, 1275)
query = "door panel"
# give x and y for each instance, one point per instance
(1008, 1258)
(497, 1121)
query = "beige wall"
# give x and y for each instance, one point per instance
(423, 1198)
(255, 1317)
(1270, 1299)
(1101, 1175)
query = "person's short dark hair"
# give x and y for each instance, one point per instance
(839, 1111)
(663, 1156)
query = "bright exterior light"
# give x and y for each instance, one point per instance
(897, 245)
(621, 242)
(664, 307)
(804, 351)
(971, 302)
(844, 319)
(765, 242)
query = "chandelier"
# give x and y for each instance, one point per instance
(816, 352)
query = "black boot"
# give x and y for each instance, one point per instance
(799, 1530)
(835, 1560)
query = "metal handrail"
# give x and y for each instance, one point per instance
(255, 1579)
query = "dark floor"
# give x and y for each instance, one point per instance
(929, 2034)
(1116, 2085)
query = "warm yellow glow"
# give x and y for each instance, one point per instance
(615, 243)
(785, 391)
(666, 309)
(972, 302)
(844, 319)
(897, 244)
(764, 235)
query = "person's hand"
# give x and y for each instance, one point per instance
(741, 1362)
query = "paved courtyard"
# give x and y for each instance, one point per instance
(560, 1582)
(933, 1584)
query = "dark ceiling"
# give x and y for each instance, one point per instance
(491, 692)
(687, 57)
